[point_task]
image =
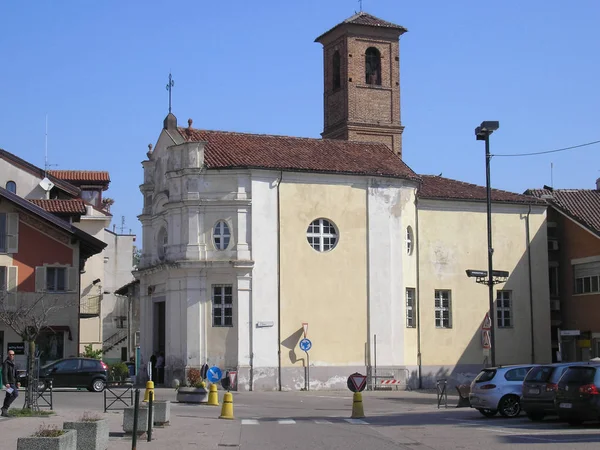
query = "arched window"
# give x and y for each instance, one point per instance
(11, 186)
(337, 70)
(409, 240)
(162, 242)
(373, 66)
(221, 235)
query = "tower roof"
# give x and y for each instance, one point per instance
(364, 19)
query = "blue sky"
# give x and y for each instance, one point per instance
(99, 70)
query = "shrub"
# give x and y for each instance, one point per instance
(194, 377)
(48, 431)
(118, 371)
(89, 352)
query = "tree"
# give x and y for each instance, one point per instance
(137, 256)
(89, 352)
(27, 316)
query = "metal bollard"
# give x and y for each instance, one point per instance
(135, 419)
(150, 418)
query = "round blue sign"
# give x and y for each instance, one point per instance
(305, 345)
(214, 374)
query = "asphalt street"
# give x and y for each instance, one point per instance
(321, 420)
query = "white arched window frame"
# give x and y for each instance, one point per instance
(322, 235)
(410, 240)
(221, 235)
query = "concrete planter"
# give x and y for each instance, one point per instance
(192, 395)
(161, 410)
(66, 441)
(142, 422)
(91, 435)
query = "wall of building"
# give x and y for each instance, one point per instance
(27, 184)
(453, 238)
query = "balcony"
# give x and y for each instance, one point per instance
(90, 306)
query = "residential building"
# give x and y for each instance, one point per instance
(574, 270)
(41, 256)
(252, 242)
(77, 197)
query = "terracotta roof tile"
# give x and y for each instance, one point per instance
(583, 205)
(81, 175)
(363, 18)
(227, 150)
(76, 206)
(439, 188)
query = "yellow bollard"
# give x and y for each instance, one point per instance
(227, 409)
(149, 388)
(358, 411)
(213, 396)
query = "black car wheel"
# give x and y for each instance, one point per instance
(97, 385)
(509, 406)
(488, 412)
(536, 416)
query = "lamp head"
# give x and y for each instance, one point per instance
(486, 128)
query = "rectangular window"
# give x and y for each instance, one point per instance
(3, 232)
(587, 278)
(56, 279)
(553, 274)
(504, 309)
(222, 299)
(410, 308)
(443, 309)
(3, 280)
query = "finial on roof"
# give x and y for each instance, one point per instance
(190, 121)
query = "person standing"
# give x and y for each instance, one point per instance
(160, 368)
(9, 374)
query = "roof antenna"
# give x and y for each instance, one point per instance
(552, 175)
(360, 3)
(46, 147)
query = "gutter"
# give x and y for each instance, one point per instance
(527, 233)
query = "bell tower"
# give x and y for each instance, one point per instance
(361, 62)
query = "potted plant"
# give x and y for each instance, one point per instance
(194, 391)
(92, 431)
(118, 372)
(49, 437)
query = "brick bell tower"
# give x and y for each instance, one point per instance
(361, 61)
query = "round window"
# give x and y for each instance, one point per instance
(322, 235)
(221, 235)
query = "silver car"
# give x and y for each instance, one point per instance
(498, 389)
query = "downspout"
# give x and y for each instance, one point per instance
(530, 285)
(418, 292)
(279, 286)
(368, 265)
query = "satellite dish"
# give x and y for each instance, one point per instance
(46, 184)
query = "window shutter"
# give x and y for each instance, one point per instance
(11, 284)
(587, 270)
(12, 233)
(40, 279)
(72, 276)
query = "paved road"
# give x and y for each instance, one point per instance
(309, 420)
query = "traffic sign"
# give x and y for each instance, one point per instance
(305, 345)
(305, 327)
(357, 382)
(486, 340)
(487, 322)
(214, 374)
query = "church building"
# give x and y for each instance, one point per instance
(253, 242)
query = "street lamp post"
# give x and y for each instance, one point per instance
(483, 132)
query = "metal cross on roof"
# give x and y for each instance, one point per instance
(170, 85)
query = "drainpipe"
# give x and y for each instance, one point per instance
(279, 286)
(530, 285)
(368, 355)
(418, 292)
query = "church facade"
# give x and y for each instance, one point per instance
(252, 242)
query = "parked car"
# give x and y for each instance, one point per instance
(74, 372)
(539, 389)
(498, 389)
(578, 394)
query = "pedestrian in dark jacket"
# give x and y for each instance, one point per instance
(9, 374)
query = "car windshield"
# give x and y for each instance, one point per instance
(579, 375)
(541, 374)
(485, 375)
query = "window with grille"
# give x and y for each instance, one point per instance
(443, 309)
(222, 300)
(504, 309)
(587, 278)
(409, 240)
(410, 308)
(221, 235)
(322, 235)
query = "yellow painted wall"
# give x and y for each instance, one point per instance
(336, 312)
(455, 240)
